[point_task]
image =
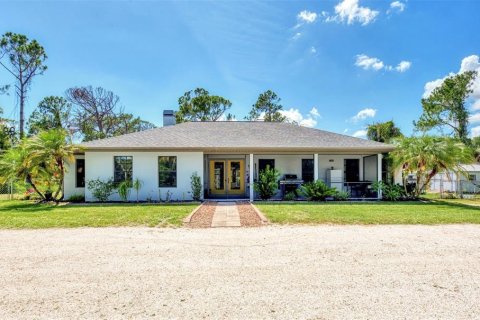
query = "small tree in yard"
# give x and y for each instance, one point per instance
(267, 185)
(124, 189)
(196, 184)
(137, 185)
(426, 156)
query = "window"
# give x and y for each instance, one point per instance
(80, 173)
(123, 167)
(263, 163)
(307, 170)
(167, 172)
(472, 177)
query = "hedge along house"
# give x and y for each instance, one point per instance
(228, 156)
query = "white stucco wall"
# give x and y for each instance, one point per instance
(70, 188)
(145, 167)
(326, 162)
(370, 168)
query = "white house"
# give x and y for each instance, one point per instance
(228, 157)
(468, 182)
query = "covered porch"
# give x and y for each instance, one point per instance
(232, 175)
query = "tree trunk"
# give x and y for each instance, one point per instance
(30, 182)
(22, 110)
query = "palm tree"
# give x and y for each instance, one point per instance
(39, 160)
(52, 149)
(426, 156)
(18, 163)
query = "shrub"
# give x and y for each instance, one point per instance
(124, 189)
(267, 185)
(76, 198)
(290, 196)
(196, 184)
(317, 191)
(390, 192)
(100, 189)
(342, 196)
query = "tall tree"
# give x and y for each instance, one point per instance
(25, 59)
(5, 136)
(383, 131)
(97, 114)
(445, 107)
(51, 113)
(128, 123)
(199, 105)
(267, 106)
(95, 110)
(426, 156)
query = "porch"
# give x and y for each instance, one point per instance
(231, 176)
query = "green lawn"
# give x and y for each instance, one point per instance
(25, 214)
(370, 213)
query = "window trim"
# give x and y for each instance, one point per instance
(170, 171)
(118, 156)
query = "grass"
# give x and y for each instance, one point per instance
(370, 213)
(28, 215)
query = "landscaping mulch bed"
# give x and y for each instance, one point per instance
(248, 215)
(203, 217)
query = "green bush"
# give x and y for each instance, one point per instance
(317, 191)
(100, 189)
(390, 192)
(196, 184)
(267, 185)
(76, 198)
(342, 196)
(290, 196)
(124, 189)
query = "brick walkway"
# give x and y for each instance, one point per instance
(214, 214)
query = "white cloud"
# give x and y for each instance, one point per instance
(313, 50)
(474, 118)
(350, 11)
(403, 66)
(314, 112)
(294, 115)
(296, 36)
(364, 114)
(360, 134)
(307, 16)
(476, 132)
(367, 63)
(397, 6)
(470, 63)
(371, 63)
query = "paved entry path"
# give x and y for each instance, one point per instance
(226, 215)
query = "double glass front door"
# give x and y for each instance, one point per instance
(227, 177)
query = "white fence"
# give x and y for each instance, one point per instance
(462, 188)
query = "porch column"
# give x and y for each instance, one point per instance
(315, 167)
(250, 176)
(379, 172)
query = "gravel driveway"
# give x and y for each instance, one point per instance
(332, 272)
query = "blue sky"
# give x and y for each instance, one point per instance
(355, 62)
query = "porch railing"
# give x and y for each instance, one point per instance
(359, 189)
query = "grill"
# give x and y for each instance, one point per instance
(289, 183)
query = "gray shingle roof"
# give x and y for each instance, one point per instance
(236, 135)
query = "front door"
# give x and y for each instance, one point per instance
(227, 178)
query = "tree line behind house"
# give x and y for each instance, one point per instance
(440, 142)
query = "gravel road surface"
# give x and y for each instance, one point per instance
(307, 272)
